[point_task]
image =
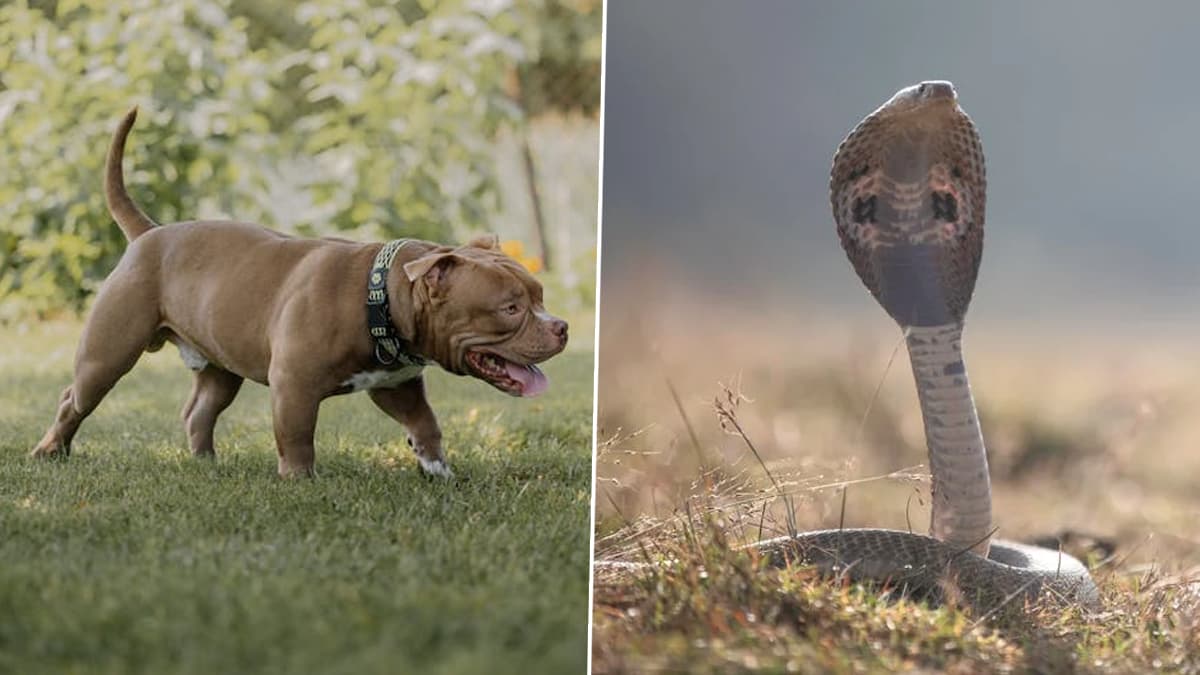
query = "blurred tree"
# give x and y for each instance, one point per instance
(563, 75)
(360, 115)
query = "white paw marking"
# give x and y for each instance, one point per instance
(191, 358)
(381, 379)
(435, 467)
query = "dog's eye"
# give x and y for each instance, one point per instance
(511, 309)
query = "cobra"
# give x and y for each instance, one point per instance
(908, 191)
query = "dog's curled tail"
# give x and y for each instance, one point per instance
(133, 221)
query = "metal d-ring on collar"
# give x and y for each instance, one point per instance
(389, 348)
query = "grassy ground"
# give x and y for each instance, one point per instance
(1091, 436)
(134, 557)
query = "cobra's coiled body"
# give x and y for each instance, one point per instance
(929, 568)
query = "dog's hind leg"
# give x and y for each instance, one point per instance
(212, 392)
(123, 321)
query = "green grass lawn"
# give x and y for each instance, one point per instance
(133, 556)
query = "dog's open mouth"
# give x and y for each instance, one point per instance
(507, 376)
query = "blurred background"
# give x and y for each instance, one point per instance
(724, 121)
(721, 265)
(357, 118)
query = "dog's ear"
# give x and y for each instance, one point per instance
(485, 241)
(433, 268)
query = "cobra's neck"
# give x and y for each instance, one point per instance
(962, 495)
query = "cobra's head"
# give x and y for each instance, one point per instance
(908, 190)
(926, 94)
(923, 106)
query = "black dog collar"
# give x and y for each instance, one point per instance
(389, 351)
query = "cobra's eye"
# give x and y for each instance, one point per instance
(921, 89)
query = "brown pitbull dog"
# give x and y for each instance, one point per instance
(310, 318)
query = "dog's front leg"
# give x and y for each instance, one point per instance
(406, 403)
(295, 417)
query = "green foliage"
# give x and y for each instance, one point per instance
(375, 118)
(564, 74)
(132, 556)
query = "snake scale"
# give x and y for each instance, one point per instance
(908, 191)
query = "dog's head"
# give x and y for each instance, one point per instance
(481, 314)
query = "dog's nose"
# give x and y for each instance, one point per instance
(559, 328)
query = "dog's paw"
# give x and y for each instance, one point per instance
(50, 450)
(288, 470)
(435, 467)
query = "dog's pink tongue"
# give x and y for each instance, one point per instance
(533, 381)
